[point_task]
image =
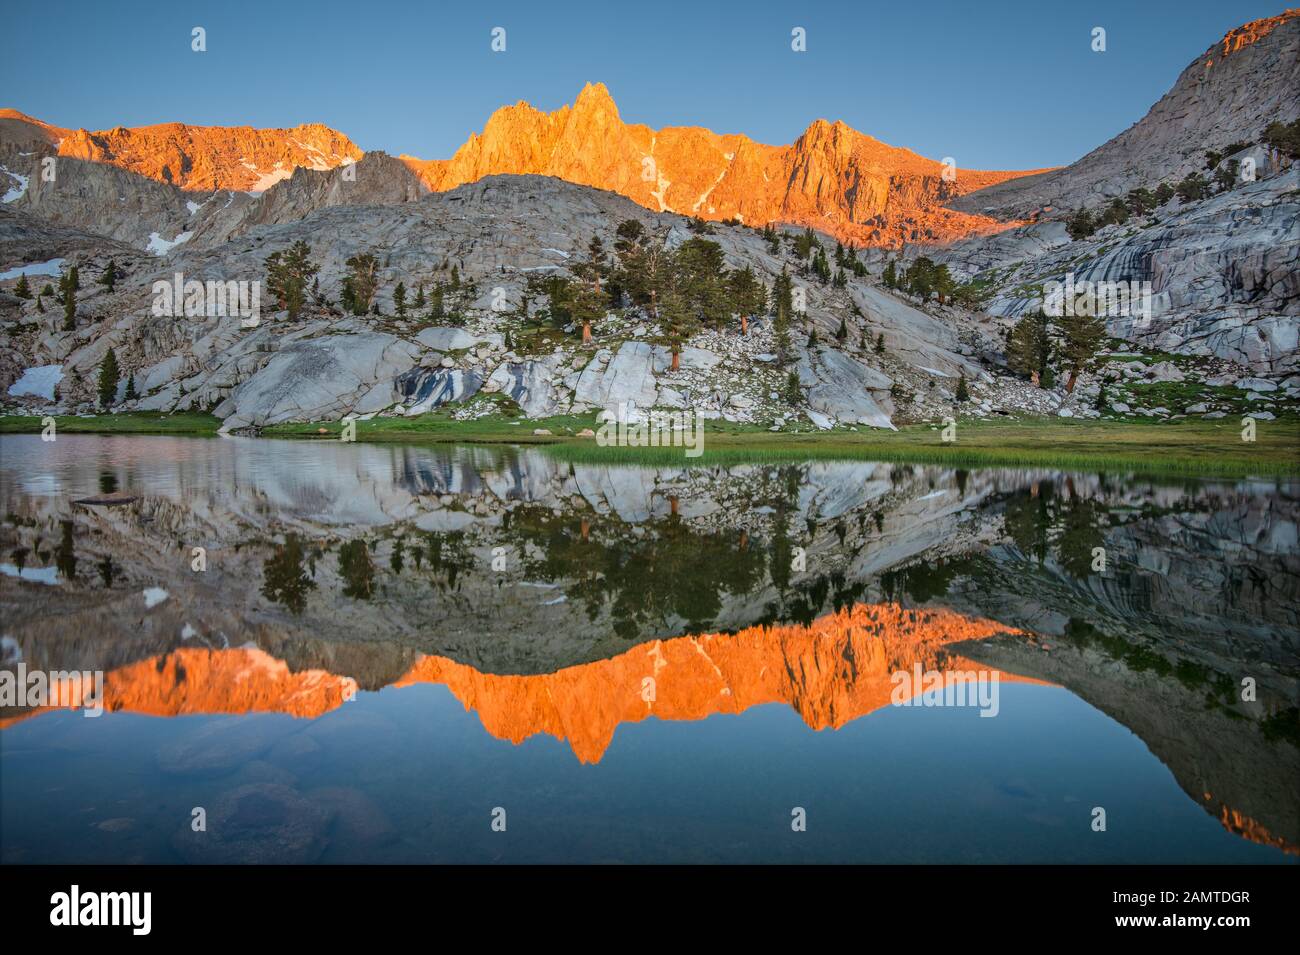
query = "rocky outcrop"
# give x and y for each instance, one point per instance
(319, 379)
(103, 199)
(626, 379)
(528, 384)
(423, 389)
(498, 232)
(842, 391)
(376, 179)
(1224, 273)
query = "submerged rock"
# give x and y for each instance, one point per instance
(261, 823)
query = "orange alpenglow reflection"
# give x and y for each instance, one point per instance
(191, 680)
(830, 672)
(1240, 824)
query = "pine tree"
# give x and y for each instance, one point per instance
(399, 300)
(812, 338)
(361, 282)
(68, 284)
(922, 278)
(287, 274)
(1284, 137)
(1082, 335)
(792, 391)
(1028, 346)
(130, 388)
(108, 377)
(748, 295)
(22, 289)
(588, 305)
(1080, 225)
(942, 283)
(963, 394)
(109, 278)
(842, 333)
(821, 267)
(880, 344)
(890, 277)
(419, 302)
(1140, 201)
(1193, 188)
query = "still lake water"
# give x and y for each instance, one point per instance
(388, 653)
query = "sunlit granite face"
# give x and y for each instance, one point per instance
(361, 637)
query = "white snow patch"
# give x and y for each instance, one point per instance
(39, 381)
(160, 246)
(193, 206)
(41, 575)
(269, 179)
(154, 596)
(16, 193)
(705, 194)
(53, 267)
(557, 252)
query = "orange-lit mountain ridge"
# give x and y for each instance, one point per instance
(195, 158)
(832, 178)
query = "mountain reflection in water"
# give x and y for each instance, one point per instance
(577, 601)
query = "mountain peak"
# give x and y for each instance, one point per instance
(595, 98)
(1243, 36)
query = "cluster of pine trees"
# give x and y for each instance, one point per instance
(923, 278)
(688, 289)
(1036, 344)
(291, 278)
(1192, 188)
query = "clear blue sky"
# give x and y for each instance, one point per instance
(996, 85)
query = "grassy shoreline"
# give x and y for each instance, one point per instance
(1192, 447)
